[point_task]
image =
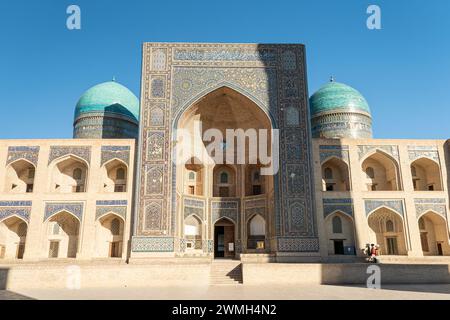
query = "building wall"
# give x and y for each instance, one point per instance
(40, 206)
(359, 203)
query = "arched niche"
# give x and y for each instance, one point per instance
(114, 176)
(193, 231)
(433, 234)
(224, 181)
(13, 235)
(109, 236)
(380, 172)
(340, 232)
(194, 177)
(20, 177)
(386, 228)
(63, 230)
(68, 175)
(426, 175)
(256, 232)
(335, 176)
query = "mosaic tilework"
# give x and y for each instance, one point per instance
(389, 149)
(198, 54)
(194, 206)
(152, 244)
(115, 152)
(298, 245)
(341, 125)
(437, 205)
(270, 75)
(340, 152)
(76, 208)
(332, 205)
(15, 208)
(83, 152)
(224, 208)
(30, 154)
(371, 205)
(416, 152)
(255, 206)
(118, 207)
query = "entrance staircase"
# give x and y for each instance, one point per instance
(225, 272)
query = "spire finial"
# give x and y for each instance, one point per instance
(331, 79)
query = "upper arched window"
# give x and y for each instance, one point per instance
(224, 177)
(256, 176)
(370, 173)
(337, 224)
(120, 174)
(22, 230)
(115, 227)
(421, 224)
(389, 226)
(328, 173)
(413, 171)
(77, 174)
(192, 175)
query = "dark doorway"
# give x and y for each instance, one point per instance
(338, 247)
(439, 248)
(219, 241)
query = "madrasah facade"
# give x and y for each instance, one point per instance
(118, 191)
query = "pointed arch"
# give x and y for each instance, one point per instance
(386, 171)
(426, 174)
(335, 174)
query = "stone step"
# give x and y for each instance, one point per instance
(225, 272)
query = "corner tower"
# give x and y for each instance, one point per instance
(108, 110)
(339, 111)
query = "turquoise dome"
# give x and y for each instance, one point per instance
(337, 96)
(111, 97)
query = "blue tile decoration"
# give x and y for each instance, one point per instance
(111, 202)
(224, 208)
(416, 152)
(438, 205)
(19, 203)
(226, 55)
(21, 209)
(29, 153)
(332, 205)
(152, 244)
(255, 206)
(391, 150)
(396, 205)
(340, 152)
(287, 244)
(118, 207)
(83, 152)
(75, 208)
(194, 206)
(115, 152)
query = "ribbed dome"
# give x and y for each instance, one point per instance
(337, 96)
(110, 97)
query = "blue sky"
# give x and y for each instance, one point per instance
(403, 70)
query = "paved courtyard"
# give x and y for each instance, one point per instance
(434, 292)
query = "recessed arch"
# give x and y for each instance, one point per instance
(13, 235)
(335, 175)
(19, 177)
(198, 97)
(62, 179)
(111, 181)
(62, 234)
(193, 232)
(386, 172)
(256, 232)
(426, 175)
(224, 236)
(433, 234)
(341, 241)
(391, 242)
(109, 235)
